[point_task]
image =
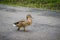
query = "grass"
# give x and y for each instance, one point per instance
(51, 6)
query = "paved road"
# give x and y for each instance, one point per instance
(45, 26)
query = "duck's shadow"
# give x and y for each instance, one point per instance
(24, 31)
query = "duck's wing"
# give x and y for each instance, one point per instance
(22, 20)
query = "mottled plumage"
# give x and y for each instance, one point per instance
(24, 23)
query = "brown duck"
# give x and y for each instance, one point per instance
(24, 23)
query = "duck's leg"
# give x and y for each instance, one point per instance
(25, 29)
(18, 28)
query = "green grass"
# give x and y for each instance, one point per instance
(48, 4)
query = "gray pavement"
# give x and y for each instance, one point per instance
(45, 26)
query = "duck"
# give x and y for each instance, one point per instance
(24, 23)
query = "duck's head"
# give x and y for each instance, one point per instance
(28, 16)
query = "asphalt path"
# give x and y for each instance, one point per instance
(45, 26)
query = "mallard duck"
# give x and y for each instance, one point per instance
(24, 23)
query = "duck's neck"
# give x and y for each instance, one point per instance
(29, 21)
